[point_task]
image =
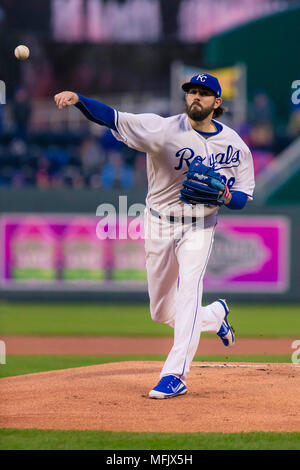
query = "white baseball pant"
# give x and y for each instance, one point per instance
(176, 260)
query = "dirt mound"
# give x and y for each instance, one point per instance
(114, 397)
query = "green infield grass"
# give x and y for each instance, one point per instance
(35, 439)
(19, 365)
(134, 320)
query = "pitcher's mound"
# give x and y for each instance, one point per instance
(114, 397)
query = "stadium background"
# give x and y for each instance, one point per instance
(57, 168)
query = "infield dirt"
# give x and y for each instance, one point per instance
(114, 397)
(127, 345)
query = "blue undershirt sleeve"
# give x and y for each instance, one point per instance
(96, 111)
(238, 200)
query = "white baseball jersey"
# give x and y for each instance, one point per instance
(175, 266)
(171, 144)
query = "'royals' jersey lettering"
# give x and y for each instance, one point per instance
(186, 155)
(227, 159)
(171, 144)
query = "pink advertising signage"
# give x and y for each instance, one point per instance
(251, 254)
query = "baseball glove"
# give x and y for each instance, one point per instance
(203, 186)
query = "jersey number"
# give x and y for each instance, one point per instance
(228, 183)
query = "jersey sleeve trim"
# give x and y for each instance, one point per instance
(117, 126)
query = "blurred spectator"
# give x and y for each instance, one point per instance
(18, 147)
(293, 128)
(261, 142)
(261, 109)
(57, 182)
(116, 173)
(42, 174)
(83, 76)
(71, 173)
(41, 77)
(94, 181)
(58, 158)
(78, 181)
(262, 136)
(28, 175)
(42, 179)
(21, 112)
(91, 156)
(81, 159)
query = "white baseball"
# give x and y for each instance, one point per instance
(22, 52)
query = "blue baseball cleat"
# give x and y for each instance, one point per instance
(169, 386)
(226, 332)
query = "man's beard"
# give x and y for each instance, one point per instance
(196, 113)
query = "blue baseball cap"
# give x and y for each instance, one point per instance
(204, 79)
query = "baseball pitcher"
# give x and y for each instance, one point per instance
(195, 165)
